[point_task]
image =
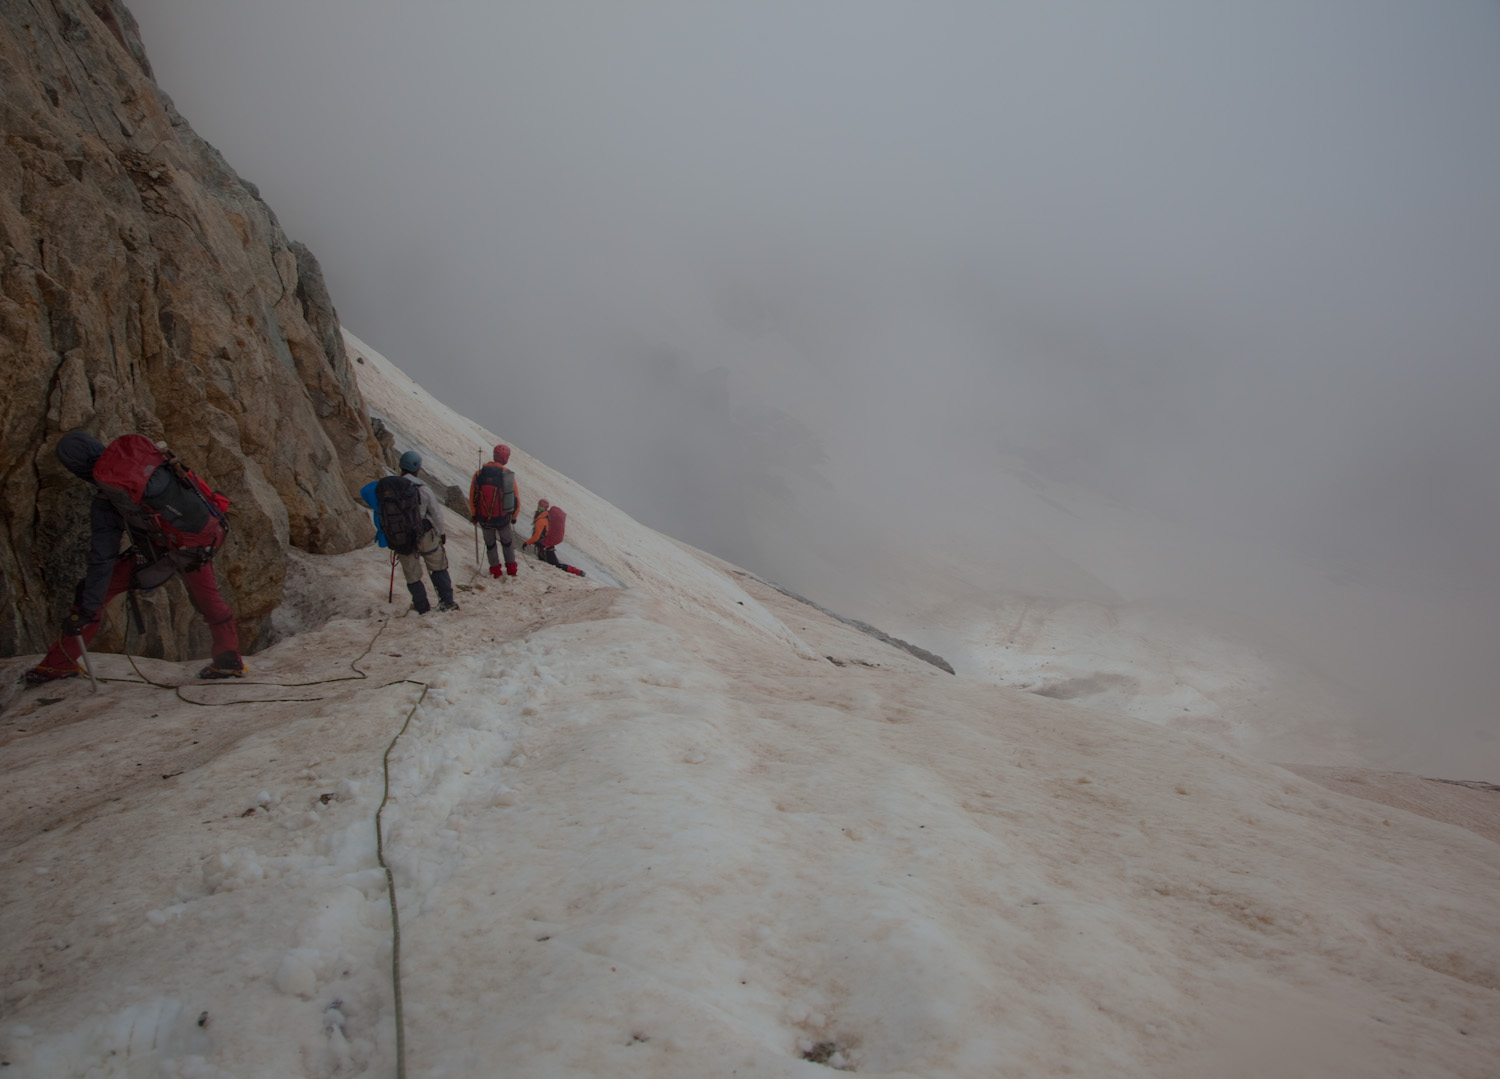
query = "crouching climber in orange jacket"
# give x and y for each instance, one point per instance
(548, 525)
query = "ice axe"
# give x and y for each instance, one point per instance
(88, 664)
(392, 597)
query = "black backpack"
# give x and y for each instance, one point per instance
(399, 503)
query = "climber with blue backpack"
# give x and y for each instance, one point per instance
(407, 514)
(175, 524)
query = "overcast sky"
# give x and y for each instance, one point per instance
(1237, 265)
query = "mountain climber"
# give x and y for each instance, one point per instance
(548, 525)
(494, 503)
(175, 524)
(407, 512)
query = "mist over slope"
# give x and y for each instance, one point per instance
(691, 827)
(821, 290)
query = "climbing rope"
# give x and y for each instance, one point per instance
(385, 764)
(358, 675)
(390, 883)
(230, 684)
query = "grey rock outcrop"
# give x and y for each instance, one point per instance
(144, 286)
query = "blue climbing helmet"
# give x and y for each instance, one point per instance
(411, 461)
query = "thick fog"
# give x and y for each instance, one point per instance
(796, 283)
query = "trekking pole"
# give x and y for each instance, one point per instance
(88, 664)
(477, 563)
(392, 597)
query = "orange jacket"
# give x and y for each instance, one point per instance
(539, 531)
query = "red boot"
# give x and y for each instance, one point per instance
(510, 568)
(496, 571)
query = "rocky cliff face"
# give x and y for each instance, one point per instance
(145, 287)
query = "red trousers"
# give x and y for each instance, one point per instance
(203, 590)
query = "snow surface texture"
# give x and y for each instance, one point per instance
(687, 828)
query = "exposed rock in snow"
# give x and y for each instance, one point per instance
(149, 289)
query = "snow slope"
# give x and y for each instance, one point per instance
(1026, 579)
(1146, 660)
(1040, 584)
(630, 552)
(692, 827)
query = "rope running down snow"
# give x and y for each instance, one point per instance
(385, 766)
(390, 884)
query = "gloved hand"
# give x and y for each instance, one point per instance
(73, 625)
(443, 541)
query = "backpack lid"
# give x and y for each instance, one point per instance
(127, 464)
(154, 492)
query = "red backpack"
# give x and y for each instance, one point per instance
(557, 521)
(494, 495)
(158, 495)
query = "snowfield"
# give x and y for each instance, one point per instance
(692, 827)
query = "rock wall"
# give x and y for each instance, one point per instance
(144, 286)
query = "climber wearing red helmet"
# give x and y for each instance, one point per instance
(494, 503)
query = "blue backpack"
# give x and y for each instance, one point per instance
(367, 492)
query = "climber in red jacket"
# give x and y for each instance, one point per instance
(154, 555)
(494, 505)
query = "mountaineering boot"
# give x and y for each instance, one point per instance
(576, 570)
(496, 571)
(419, 597)
(225, 665)
(444, 585)
(510, 568)
(38, 675)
